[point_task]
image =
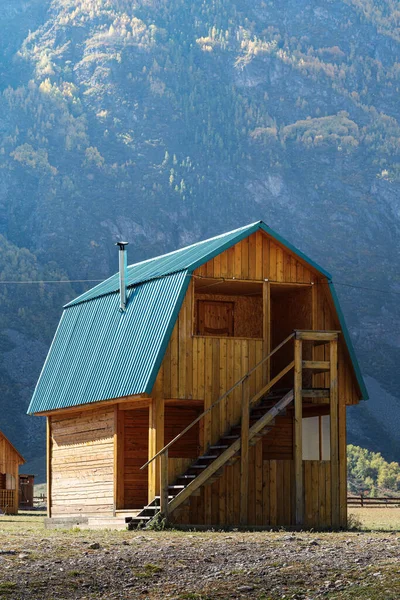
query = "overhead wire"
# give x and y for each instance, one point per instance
(220, 279)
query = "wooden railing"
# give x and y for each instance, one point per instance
(247, 403)
(7, 498)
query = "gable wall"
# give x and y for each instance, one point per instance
(205, 367)
(257, 258)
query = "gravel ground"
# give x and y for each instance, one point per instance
(39, 564)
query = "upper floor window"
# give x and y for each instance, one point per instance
(228, 308)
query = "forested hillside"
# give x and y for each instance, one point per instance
(166, 122)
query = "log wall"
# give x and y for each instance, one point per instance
(82, 463)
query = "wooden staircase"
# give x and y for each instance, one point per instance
(257, 417)
(209, 467)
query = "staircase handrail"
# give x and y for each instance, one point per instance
(225, 394)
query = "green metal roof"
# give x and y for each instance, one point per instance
(99, 353)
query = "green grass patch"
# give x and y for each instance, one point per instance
(7, 587)
(149, 571)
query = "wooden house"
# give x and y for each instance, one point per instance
(10, 460)
(210, 383)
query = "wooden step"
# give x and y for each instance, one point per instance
(222, 447)
(208, 457)
(317, 366)
(316, 393)
(114, 523)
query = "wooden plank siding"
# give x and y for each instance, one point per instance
(82, 463)
(271, 490)
(10, 460)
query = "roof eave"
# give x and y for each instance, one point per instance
(349, 344)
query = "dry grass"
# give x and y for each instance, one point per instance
(382, 519)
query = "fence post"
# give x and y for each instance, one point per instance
(362, 500)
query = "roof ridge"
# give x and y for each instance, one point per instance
(211, 239)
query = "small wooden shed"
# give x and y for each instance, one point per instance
(10, 461)
(26, 490)
(208, 385)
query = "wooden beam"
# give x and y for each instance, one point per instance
(319, 366)
(184, 403)
(164, 483)
(316, 336)
(119, 458)
(91, 406)
(298, 425)
(342, 460)
(267, 329)
(321, 393)
(48, 463)
(156, 443)
(244, 454)
(273, 381)
(134, 404)
(334, 415)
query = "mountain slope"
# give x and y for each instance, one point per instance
(165, 122)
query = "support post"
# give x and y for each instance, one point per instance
(48, 463)
(156, 442)
(156, 434)
(334, 432)
(298, 425)
(119, 459)
(164, 484)
(266, 330)
(244, 454)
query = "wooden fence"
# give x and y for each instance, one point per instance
(366, 501)
(7, 501)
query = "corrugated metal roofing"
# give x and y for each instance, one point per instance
(99, 353)
(188, 258)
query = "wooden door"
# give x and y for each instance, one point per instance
(215, 318)
(136, 448)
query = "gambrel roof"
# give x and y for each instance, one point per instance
(99, 353)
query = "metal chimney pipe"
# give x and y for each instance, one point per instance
(123, 264)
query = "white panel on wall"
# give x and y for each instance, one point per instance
(311, 438)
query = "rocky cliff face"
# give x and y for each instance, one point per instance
(168, 122)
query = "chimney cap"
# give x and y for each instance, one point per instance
(121, 245)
